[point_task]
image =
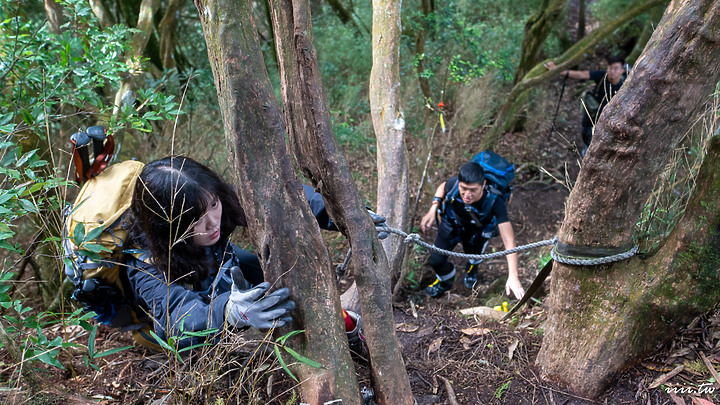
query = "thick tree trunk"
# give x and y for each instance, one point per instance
(537, 29)
(538, 74)
(322, 161)
(166, 31)
(389, 122)
(281, 225)
(603, 319)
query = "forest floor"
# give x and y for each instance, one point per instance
(450, 358)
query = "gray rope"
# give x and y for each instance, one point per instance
(582, 261)
(576, 261)
(415, 238)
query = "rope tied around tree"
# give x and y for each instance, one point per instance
(557, 256)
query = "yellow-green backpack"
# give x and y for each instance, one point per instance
(94, 242)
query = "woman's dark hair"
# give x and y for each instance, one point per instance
(470, 173)
(170, 196)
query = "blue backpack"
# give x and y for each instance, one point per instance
(498, 174)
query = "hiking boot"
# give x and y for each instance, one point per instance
(437, 288)
(471, 277)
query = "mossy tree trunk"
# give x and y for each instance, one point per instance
(538, 74)
(282, 228)
(603, 319)
(536, 31)
(655, 15)
(322, 161)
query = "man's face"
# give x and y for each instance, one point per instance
(470, 193)
(614, 72)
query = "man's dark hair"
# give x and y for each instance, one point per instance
(471, 173)
(615, 59)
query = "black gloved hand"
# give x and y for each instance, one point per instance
(379, 220)
(247, 308)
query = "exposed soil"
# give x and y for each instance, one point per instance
(449, 357)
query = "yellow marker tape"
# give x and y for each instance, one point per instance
(505, 305)
(497, 308)
(442, 123)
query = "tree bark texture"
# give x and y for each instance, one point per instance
(537, 29)
(281, 225)
(101, 12)
(538, 74)
(55, 18)
(603, 319)
(322, 161)
(389, 123)
(166, 31)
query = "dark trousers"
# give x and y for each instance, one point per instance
(447, 238)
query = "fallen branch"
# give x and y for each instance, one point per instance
(665, 377)
(450, 391)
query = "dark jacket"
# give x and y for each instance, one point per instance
(172, 306)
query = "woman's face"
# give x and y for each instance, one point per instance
(206, 231)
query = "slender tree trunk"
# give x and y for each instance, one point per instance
(389, 122)
(581, 21)
(101, 12)
(281, 225)
(655, 15)
(322, 161)
(127, 93)
(538, 74)
(537, 29)
(420, 38)
(166, 29)
(603, 319)
(55, 18)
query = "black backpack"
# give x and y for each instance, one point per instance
(498, 175)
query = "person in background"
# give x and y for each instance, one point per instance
(463, 221)
(607, 83)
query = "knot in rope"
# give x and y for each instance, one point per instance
(413, 237)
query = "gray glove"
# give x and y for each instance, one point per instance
(247, 308)
(379, 220)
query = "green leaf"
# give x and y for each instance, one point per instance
(94, 233)
(95, 248)
(163, 343)
(283, 338)
(90, 255)
(91, 343)
(202, 333)
(283, 365)
(28, 205)
(184, 349)
(79, 234)
(112, 351)
(50, 358)
(27, 156)
(302, 358)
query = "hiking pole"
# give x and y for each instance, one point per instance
(557, 107)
